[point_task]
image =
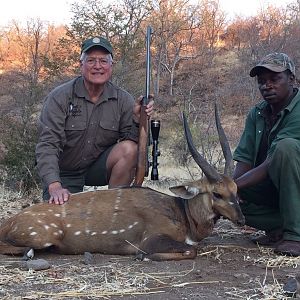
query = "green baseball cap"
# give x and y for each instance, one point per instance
(276, 62)
(97, 41)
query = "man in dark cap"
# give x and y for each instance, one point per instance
(267, 173)
(88, 129)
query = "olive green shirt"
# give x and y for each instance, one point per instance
(286, 126)
(74, 131)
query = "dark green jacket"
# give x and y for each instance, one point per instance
(287, 126)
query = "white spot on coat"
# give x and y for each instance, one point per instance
(131, 225)
(47, 245)
(33, 233)
(46, 227)
(77, 232)
(104, 232)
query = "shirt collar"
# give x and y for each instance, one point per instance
(109, 93)
(294, 101)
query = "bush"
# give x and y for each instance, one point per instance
(19, 159)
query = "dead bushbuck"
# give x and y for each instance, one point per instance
(133, 220)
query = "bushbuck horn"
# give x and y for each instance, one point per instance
(209, 171)
(228, 169)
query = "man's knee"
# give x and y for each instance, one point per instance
(285, 162)
(128, 149)
(125, 151)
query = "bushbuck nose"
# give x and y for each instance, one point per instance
(241, 222)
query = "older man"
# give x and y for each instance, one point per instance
(88, 129)
(268, 157)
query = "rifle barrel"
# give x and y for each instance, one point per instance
(148, 64)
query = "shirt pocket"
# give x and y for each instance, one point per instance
(74, 133)
(108, 133)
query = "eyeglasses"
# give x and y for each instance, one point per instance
(91, 61)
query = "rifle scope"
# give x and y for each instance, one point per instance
(155, 127)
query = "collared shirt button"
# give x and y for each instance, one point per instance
(259, 112)
(72, 125)
(88, 141)
(259, 131)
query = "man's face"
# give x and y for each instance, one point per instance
(275, 87)
(96, 67)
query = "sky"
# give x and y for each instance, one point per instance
(58, 11)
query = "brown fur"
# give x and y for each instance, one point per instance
(125, 221)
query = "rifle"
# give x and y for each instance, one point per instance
(144, 137)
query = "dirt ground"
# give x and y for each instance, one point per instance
(228, 266)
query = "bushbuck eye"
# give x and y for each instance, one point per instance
(217, 195)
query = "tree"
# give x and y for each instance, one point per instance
(173, 22)
(24, 91)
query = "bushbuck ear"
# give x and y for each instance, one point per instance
(185, 191)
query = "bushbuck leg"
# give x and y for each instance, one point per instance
(12, 250)
(163, 247)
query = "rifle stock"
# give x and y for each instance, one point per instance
(142, 169)
(143, 160)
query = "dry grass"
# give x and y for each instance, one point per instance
(72, 282)
(255, 288)
(10, 201)
(262, 290)
(266, 288)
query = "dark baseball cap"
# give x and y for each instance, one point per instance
(97, 41)
(276, 62)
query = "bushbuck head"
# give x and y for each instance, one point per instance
(220, 189)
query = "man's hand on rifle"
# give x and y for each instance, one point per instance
(138, 105)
